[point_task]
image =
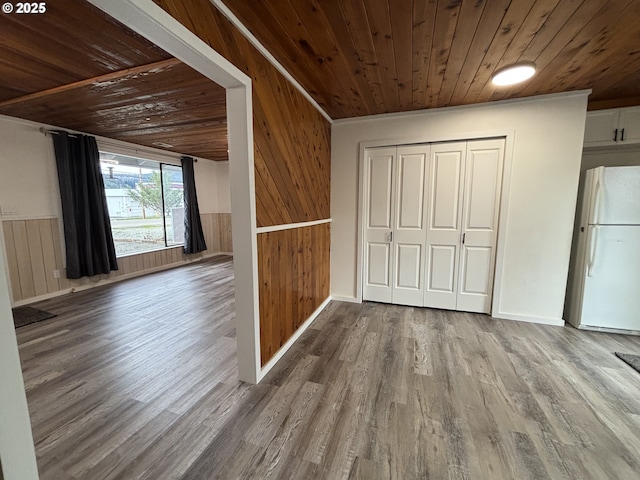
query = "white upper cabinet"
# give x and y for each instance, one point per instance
(616, 126)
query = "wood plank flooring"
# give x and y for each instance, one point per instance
(138, 380)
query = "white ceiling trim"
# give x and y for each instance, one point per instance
(470, 106)
(261, 48)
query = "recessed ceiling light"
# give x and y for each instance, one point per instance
(513, 74)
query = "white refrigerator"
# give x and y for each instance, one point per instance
(604, 292)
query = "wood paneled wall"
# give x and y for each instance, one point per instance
(292, 178)
(292, 139)
(34, 251)
(293, 279)
(217, 232)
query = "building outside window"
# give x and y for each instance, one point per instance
(145, 201)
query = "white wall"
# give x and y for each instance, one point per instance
(212, 185)
(29, 179)
(224, 188)
(546, 133)
(16, 442)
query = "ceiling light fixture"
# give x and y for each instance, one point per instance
(513, 74)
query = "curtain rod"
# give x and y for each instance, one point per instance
(124, 145)
(54, 132)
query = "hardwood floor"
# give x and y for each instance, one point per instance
(138, 380)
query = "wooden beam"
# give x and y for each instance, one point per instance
(89, 81)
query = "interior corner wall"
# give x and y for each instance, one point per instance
(212, 185)
(292, 179)
(16, 441)
(547, 148)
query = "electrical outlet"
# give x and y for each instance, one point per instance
(56, 274)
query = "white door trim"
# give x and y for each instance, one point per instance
(155, 24)
(507, 134)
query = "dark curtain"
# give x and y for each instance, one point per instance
(87, 230)
(193, 235)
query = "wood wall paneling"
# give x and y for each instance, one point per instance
(292, 167)
(292, 139)
(34, 251)
(34, 242)
(25, 272)
(293, 281)
(12, 260)
(217, 232)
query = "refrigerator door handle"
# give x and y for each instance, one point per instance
(595, 214)
(592, 242)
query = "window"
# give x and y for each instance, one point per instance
(145, 201)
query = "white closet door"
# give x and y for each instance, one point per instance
(409, 234)
(480, 224)
(444, 224)
(378, 282)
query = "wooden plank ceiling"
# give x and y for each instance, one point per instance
(75, 67)
(361, 57)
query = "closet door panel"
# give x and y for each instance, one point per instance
(444, 223)
(483, 178)
(442, 262)
(408, 266)
(475, 265)
(378, 282)
(409, 234)
(379, 262)
(445, 190)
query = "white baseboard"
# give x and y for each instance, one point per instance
(40, 298)
(108, 281)
(340, 298)
(556, 322)
(609, 330)
(285, 348)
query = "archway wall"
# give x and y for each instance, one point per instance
(292, 170)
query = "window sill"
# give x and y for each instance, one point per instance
(143, 252)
